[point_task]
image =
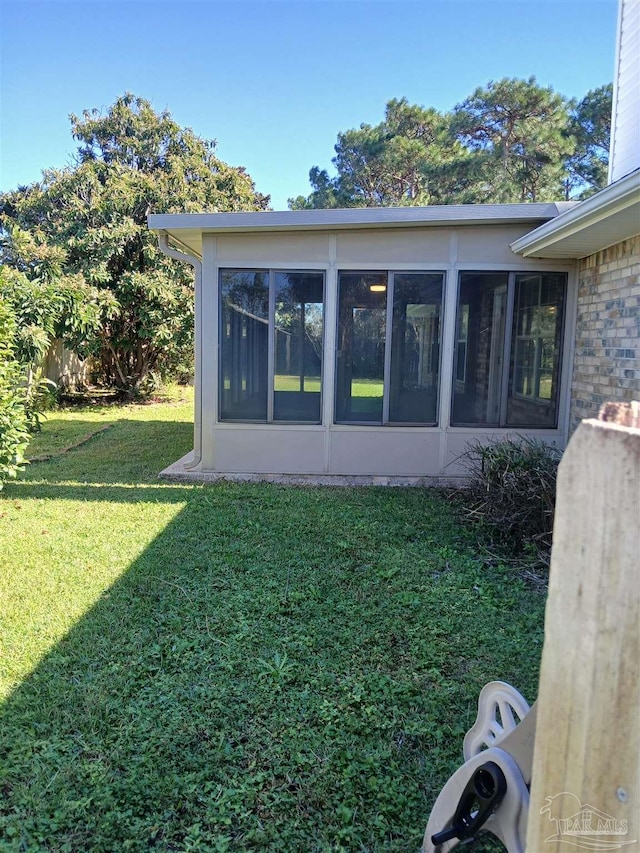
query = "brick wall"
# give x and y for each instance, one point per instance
(607, 353)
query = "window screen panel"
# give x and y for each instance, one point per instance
(415, 348)
(536, 349)
(244, 343)
(362, 316)
(298, 342)
(479, 348)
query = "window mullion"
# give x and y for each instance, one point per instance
(506, 358)
(271, 335)
(537, 368)
(538, 351)
(387, 349)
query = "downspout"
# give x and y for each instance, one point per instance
(196, 263)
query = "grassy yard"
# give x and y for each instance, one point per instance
(359, 387)
(233, 667)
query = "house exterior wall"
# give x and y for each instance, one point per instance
(607, 350)
(380, 453)
(624, 154)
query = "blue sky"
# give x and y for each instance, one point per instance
(275, 81)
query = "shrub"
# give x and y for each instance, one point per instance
(14, 428)
(512, 491)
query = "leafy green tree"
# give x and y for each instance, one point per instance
(45, 306)
(47, 302)
(590, 127)
(401, 161)
(14, 429)
(519, 131)
(89, 224)
(510, 141)
(325, 194)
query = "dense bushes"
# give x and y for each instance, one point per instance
(512, 491)
(85, 228)
(14, 432)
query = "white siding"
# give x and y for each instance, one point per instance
(624, 155)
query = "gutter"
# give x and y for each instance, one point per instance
(190, 258)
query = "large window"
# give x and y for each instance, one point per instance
(271, 337)
(244, 345)
(535, 349)
(508, 349)
(388, 347)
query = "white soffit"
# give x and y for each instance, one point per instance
(606, 218)
(185, 230)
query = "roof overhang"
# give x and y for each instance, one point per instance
(608, 217)
(185, 230)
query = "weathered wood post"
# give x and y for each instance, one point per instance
(586, 773)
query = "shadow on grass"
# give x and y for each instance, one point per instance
(261, 678)
(153, 724)
(120, 493)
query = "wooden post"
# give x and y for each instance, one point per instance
(586, 771)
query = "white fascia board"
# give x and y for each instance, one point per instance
(345, 218)
(621, 196)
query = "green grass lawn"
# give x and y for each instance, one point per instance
(282, 382)
(359, 387)
(367, 388)
(238, 666)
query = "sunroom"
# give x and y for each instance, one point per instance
(370, 345)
